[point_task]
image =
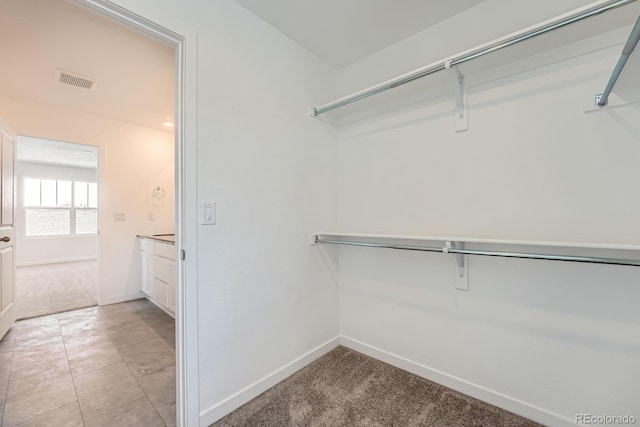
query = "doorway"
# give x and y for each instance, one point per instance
(56, 226)
(117, 160)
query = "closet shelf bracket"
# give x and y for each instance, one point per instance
(462, 265)
(460, 98)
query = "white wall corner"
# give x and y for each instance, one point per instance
(476, 391)
(222, 408)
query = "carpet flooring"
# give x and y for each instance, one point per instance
(55, 288)
(347, 388)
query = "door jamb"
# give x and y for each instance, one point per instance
(187, 366)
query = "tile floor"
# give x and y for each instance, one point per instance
(100, 366)
(54, 288)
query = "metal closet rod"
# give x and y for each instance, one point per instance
(316, 111)
(629, 46)
(462, 251)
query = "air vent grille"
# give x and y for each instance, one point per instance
(74, 79)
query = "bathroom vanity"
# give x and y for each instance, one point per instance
(158, 270)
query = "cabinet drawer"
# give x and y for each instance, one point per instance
(164, 250)
(145, 267)
(162, 269)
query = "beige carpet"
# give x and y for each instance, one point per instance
(347, 388)
(54, 288)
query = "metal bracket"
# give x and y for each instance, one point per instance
(597, 98)
(460, 95)
(462, 267)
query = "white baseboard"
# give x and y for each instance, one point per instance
(120, 298)
(492, 397)
(55, 261)
(532, 412)
(220, 409)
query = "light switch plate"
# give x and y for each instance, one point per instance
(208, 213)
(119, 216)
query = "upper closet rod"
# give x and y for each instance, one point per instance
(462, 251)
(501, 44)
(629, 46)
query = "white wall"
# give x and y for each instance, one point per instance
(559, 337)
(42, 250)
(547, 340)
(133, 160)
(265, 297)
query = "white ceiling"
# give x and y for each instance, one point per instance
(341, 32)
(44, 151)
(135, 74)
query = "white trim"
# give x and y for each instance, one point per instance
(57, 261)
(187, 365)
(492, 397)
(120, 298)
(238, 399)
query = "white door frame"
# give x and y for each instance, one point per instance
(188, 399)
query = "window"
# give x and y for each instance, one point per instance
(86, 202)
(60, 208)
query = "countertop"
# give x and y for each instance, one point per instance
(164, 238)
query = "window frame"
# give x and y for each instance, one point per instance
(72, 208)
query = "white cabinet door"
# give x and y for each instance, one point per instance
(158, 271)
(162, 272)
(146, 271)
(172, 288)
(161, 293)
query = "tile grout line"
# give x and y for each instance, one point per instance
(136, 378)
(114, 363)
(73, 381)
(66, 357)
(157, 336)
(153, 332)
(132, 374)
(55, 313)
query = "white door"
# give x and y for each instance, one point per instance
(7, 230)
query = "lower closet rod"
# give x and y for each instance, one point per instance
(569, 258)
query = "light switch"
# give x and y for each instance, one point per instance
(208, 213)
(119, 216)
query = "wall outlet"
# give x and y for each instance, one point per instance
(151, 216)
(119, 216)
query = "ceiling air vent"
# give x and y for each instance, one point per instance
(75, 79)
